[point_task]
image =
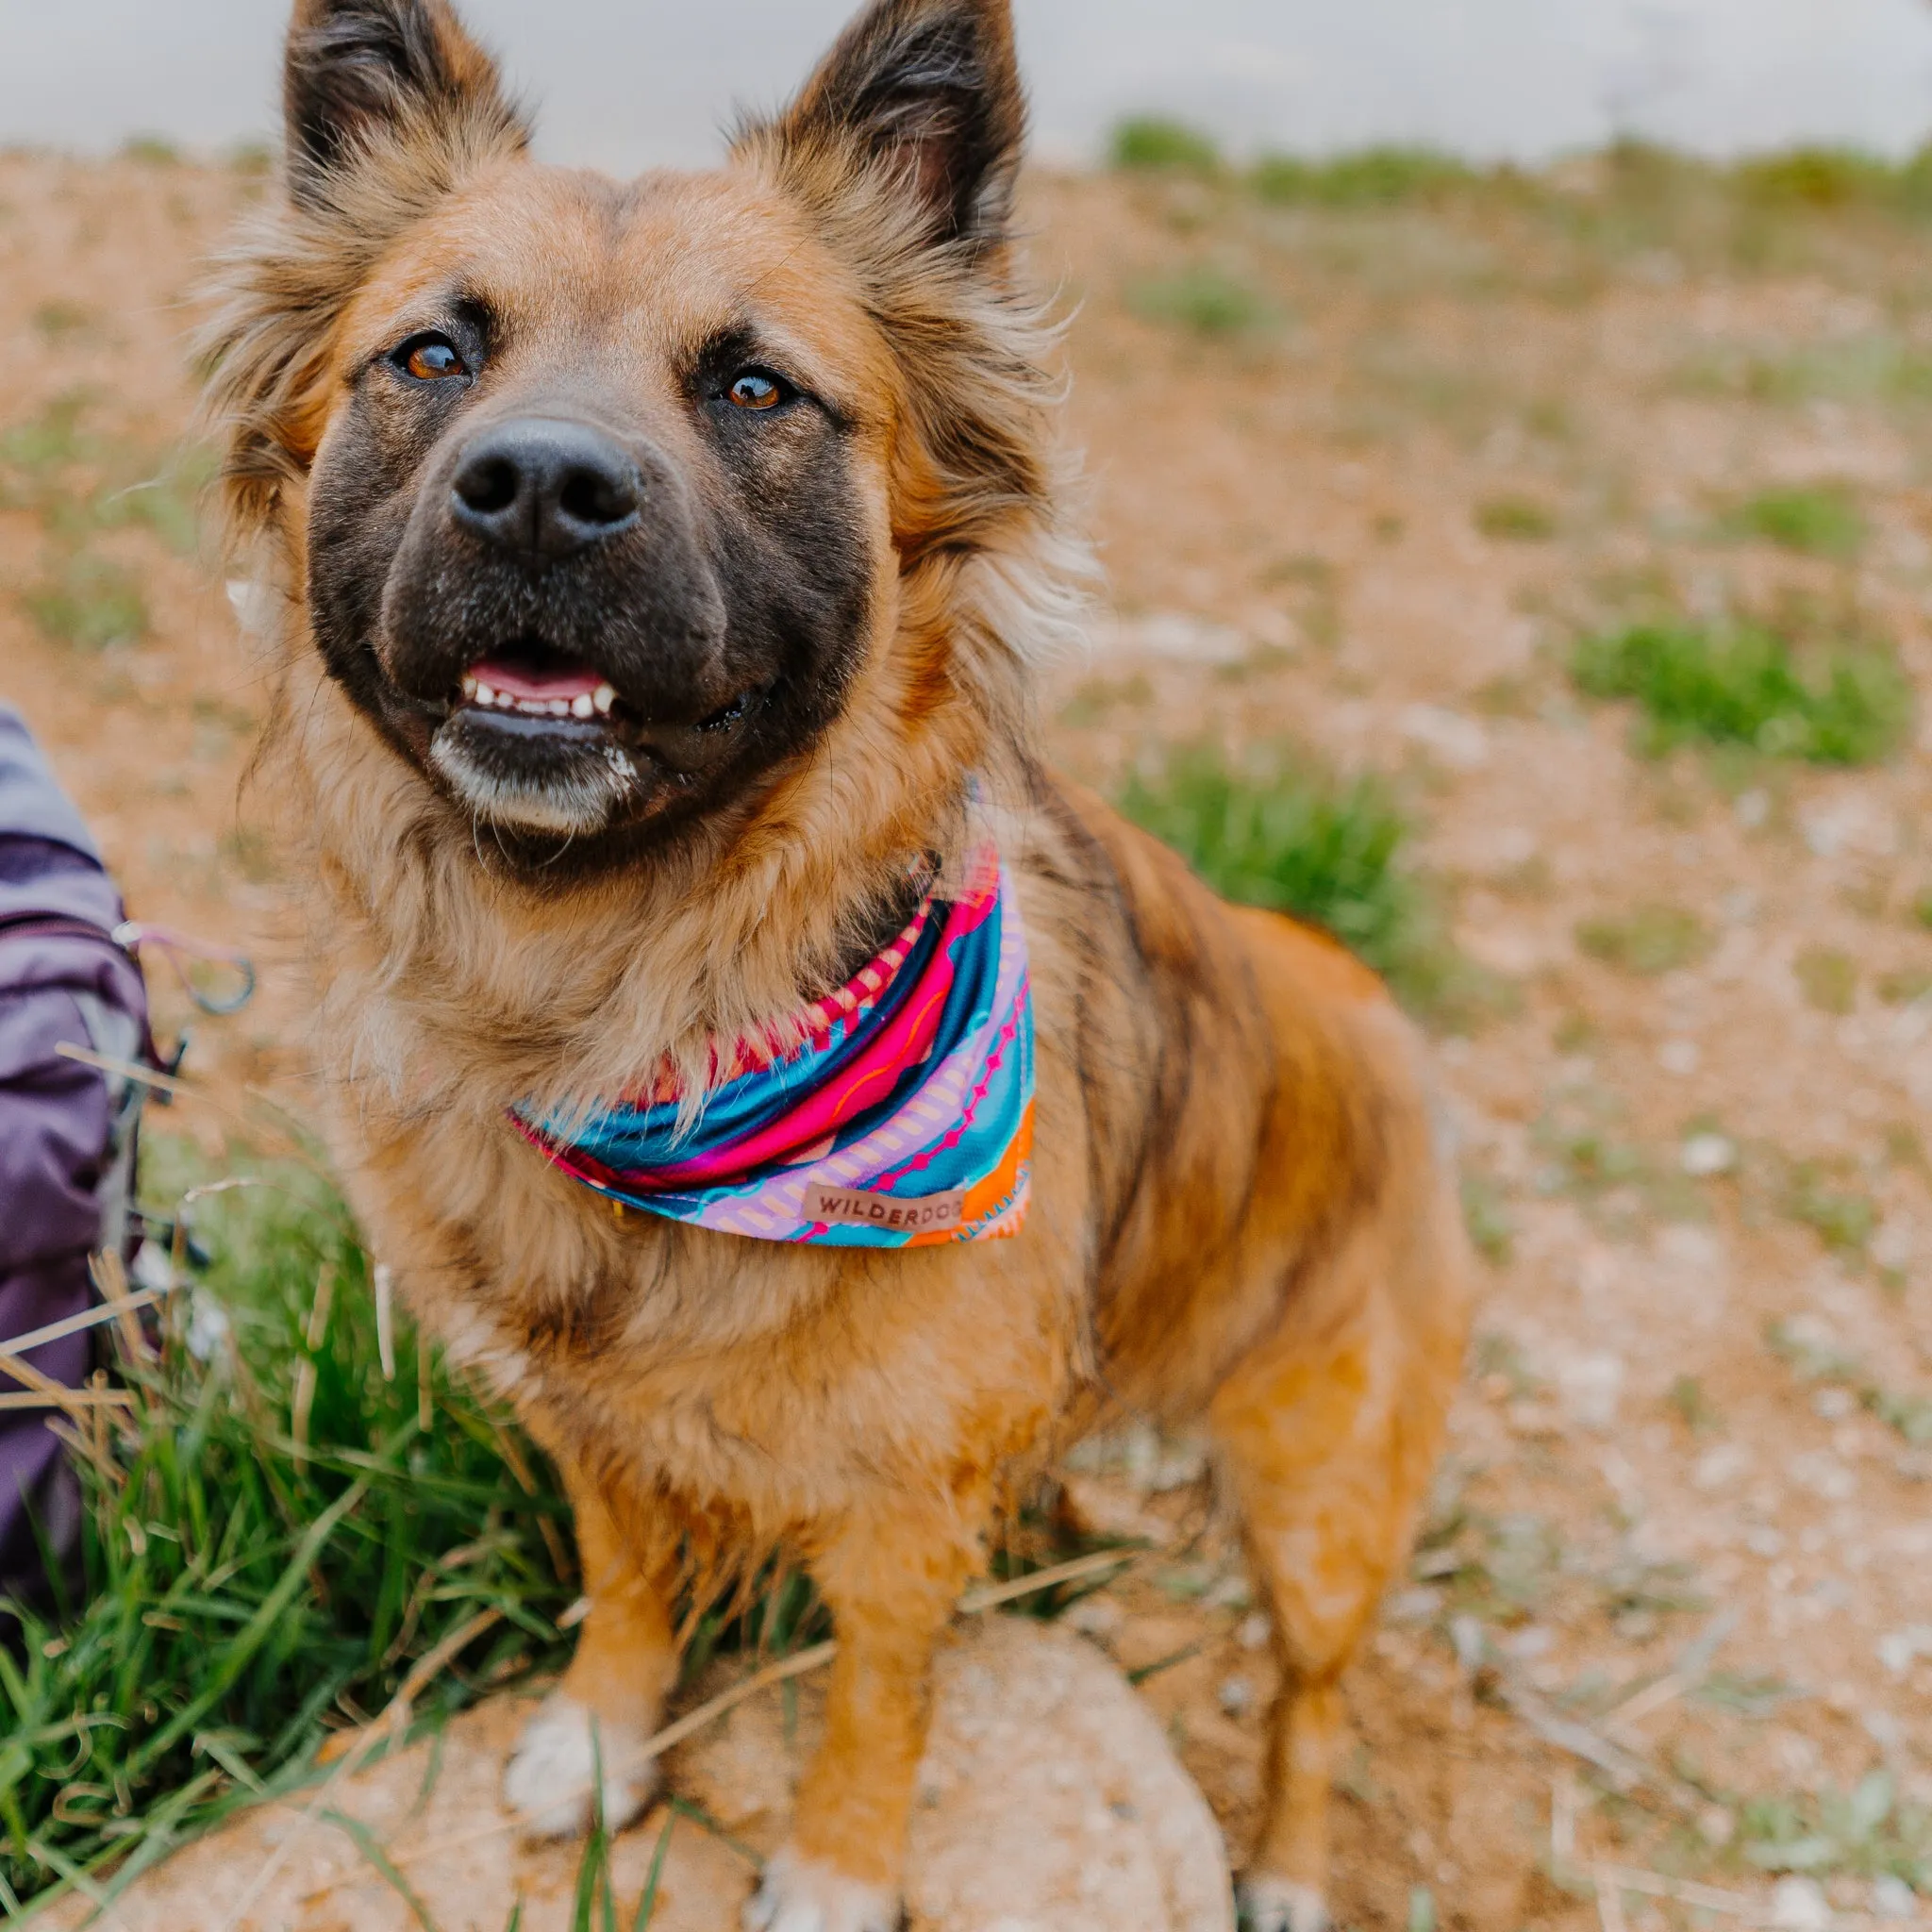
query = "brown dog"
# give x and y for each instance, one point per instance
(759, 467)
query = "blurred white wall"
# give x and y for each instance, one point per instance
(627, 83)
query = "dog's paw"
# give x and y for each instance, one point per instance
(550, 1779)
(1279, 1905)
(801, 1896)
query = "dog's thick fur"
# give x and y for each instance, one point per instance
(1239, 1214)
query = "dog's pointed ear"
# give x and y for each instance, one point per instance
(931, 89)
(358, 68)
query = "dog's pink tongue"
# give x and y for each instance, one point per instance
(537, 686)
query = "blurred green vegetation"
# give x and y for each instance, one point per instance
(1834, 701)
(1821, 520)
(1149, 144)
(1282, 831)
(83, 485)
(1647, 941)
(1632, 199)
(1205, 301)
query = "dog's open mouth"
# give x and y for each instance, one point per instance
(533, 681)
(541, 739)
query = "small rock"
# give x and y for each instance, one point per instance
(1705, 1155)
(1414, 1605)
(1455, 739)
(1236, 1696)
(1679, 1057)
(1096, 1618)
(1254, 1632)
(1470, 1641)
(1883, 1728)
(1894, 1244)
(1798, 1905)
(1716, 1826)
(1892, 1898)
(1721, 1465)
(1898, 1650)
(1177, 634)
(1592, 1386)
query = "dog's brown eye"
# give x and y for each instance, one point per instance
(432, 359)
(755, 389)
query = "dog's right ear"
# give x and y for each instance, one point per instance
(358, 70)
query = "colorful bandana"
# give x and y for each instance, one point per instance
(904, 1118)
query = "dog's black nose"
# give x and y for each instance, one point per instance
(545, 488)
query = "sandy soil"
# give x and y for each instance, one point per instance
(1661, 1544)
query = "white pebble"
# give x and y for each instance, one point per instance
(1798, 1905)
(1892, 1898)
(1705, 1155)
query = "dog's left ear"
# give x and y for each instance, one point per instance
(930, 90)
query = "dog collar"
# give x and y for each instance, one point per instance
(903, 1117)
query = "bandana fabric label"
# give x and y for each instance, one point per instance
(904, 1118)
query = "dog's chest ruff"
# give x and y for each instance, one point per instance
(897, 1112)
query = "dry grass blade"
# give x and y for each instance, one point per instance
(127, 1070)
(988, 1596)
(1609, 1901)
(1622, 1768)
(110, 1279)
(72, 1400)
(11, 1351)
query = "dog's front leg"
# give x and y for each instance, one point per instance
(612, 1696)
(892, 1583)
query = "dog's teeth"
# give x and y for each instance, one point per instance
(470, 686)
(560, 708)
(481, 692)
(603, 698)
(504, 702)
(581, 707)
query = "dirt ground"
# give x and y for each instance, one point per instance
(1675, 1606)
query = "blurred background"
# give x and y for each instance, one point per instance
(626, 85)
(1510, 433)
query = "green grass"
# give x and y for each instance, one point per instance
(1907, 1416)
(1205, 301)
(1485, 1215)
(1515, 520)
(1842, 1218)
(1868, 1831)
(242, 1595)
(1876, 369)
(1846, 703)
(1286, 834)
(151, 151)
(1149, 144)
(1648, 941)
(1367, 178)
(88, 603)
(1820, 522)
(79, 481)
(1828, 979)
(1833, 180)
(57, 322)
